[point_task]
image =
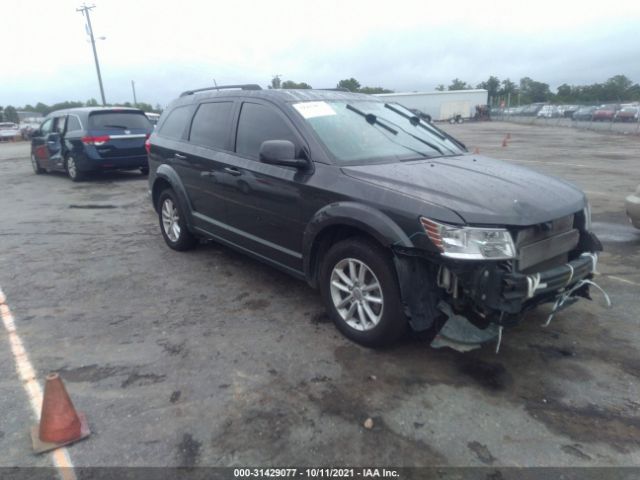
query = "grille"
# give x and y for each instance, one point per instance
(546, 245)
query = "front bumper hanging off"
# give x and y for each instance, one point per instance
(514, 293)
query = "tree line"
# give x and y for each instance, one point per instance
(618, 88)
(10, 113)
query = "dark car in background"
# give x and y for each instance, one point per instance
(82, 140)
(392, 219)
(605, 113)
(584, 113)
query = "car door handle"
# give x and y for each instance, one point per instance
(179, 156)
(207, 174)
(233, 171)
(51, 142)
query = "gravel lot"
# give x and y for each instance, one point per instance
(211, 358)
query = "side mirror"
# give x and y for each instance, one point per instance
(281, 152)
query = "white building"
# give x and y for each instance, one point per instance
(441, 105)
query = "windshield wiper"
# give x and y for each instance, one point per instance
(117, 126)
(371, 119)
(415, 121)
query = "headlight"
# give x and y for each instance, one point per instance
(469, 243)
(587, 217)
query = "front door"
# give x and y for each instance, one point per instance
(264, 201)
(39, 145)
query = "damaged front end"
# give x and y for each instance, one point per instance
(469, 301)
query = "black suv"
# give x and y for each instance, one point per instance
(82, 140)
(392, 218)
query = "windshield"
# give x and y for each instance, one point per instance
(119, 120)
(371, 132)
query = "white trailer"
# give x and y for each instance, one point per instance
(441, 105)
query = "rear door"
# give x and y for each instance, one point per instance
(39, 141)
(205, 173)
(119, 133)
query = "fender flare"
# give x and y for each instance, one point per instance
(352, 214)
(168, 174)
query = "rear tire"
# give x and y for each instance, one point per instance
(71, 167)
(360, 290)
(37, 169)
(172, 223)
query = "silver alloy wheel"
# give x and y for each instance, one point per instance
(34, 163)
(170, 219)
(356, 294)
(71, 167)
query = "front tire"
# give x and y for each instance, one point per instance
(71, 167)
(37, 169)
(360, 290)
(172, 223)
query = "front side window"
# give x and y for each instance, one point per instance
(47, 126)
(60, 123)
(173, 126)
(258, 124)
(210, 126)
(374, 132)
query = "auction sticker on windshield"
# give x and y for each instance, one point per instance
(314, 109)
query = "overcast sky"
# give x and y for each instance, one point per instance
(171, 46)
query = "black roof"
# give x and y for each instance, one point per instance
(275, 95)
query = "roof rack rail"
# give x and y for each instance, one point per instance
(335, 89)
(246, 86)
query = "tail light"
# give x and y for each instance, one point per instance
(147, 145)
(100, 140)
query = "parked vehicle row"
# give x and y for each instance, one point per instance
(596, 113)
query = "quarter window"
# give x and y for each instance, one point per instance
(257, 124)
(210, 126)
(173, 126)
(73, 124)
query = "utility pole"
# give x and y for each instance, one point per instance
(85, 11)
(133, 87)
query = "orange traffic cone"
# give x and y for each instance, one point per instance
(60, 424)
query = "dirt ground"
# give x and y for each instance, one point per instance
(211, 358)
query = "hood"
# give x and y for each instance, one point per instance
(481, 190)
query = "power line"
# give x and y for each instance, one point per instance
(85, 11)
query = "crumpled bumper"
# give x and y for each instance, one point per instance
(513, 293)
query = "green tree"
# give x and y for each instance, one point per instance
(11, 114)
(533, 91)
(92, 102)
(275, 82)
(294, 85)
(441, 87)
(1, 114)
(350, 84)
(457, 84)
(374, 90)
(491, 85)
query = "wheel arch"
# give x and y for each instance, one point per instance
(339, 221)
(167, 177)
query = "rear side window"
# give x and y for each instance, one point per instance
(73, 123)
(120, 120)
(173, 126)
(257, 124)
(210, 126)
